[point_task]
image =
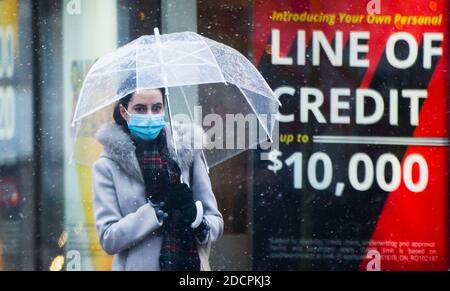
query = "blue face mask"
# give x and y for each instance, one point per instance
(146, 126)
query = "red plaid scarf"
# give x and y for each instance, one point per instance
(179, 249)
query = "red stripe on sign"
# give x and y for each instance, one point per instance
(412, 230)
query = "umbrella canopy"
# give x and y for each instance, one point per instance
(202, 77)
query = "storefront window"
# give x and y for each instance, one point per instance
(17, 174)
(230, 22)
(82, 45)
(362, 170)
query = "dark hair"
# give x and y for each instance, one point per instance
(124, 101)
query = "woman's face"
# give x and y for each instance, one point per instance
(144, 102)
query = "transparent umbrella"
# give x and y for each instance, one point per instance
(206, 82)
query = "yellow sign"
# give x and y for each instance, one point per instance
(9, 14)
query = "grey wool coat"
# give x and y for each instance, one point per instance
(127, 225)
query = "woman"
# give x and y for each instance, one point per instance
(144, 215)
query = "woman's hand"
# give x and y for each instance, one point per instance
(188, 213)
(161, 212)
(201, 232)
(181, 198)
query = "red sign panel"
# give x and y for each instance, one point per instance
(363, 135)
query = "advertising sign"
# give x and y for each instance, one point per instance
(360, 181)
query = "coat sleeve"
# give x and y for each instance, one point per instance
(201, 187)
(117, 232)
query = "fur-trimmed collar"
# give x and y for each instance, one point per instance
(118, 146)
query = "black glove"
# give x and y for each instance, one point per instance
(201, 232)
(160, 209)
(188, 213)
(180, 197)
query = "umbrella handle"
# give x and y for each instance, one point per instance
(156, 33)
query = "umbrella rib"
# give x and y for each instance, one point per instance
(195, 57)
(184, 55)
(131, 59)
(119, 56)
(108, 73)
(218, 45)
(264, 82)
(152, 66)
(187, 65)
(257, 115)
(234, 83)
(214, 58)
(123, 70)
(84, 115)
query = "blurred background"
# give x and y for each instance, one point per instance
(47, 47)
